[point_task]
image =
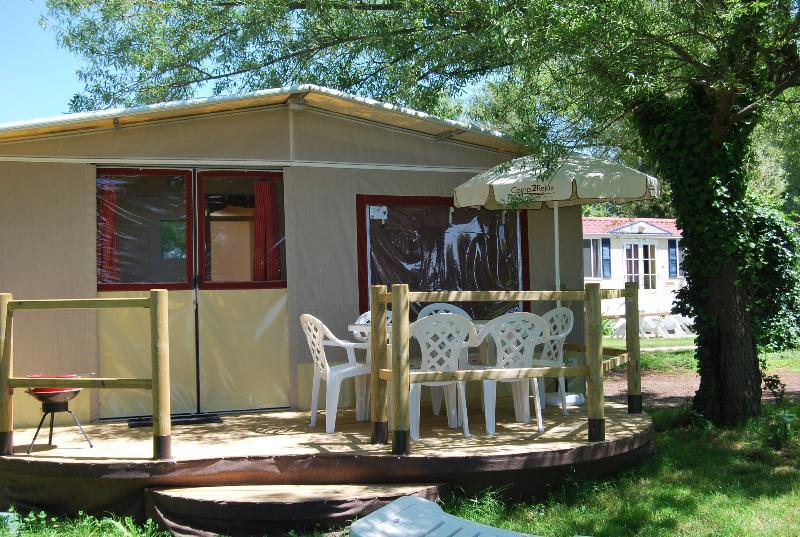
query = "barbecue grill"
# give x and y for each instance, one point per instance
(55, 400)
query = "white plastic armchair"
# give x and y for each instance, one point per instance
(559, 323)
(319, 336)
(366, 318)
(516, 336)
(437, 393)
(442, 307)
(442, 337)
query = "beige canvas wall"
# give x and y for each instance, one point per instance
(47, 250)
(334, 139)
(124, 351)
(246, 135)
(259, 134)
(322, 249)
(541, 251)
(244, 355)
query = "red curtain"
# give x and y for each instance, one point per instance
(266, 254)
(107, 266)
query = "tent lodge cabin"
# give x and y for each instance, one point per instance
(250, 210)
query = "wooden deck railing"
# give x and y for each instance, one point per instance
(157, 303)
(598, 360)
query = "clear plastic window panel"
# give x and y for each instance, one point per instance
(141, 229)
(244, 233)
(431, 249)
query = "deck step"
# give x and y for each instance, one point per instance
(273, 509)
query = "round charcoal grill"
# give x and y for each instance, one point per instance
(55, 400)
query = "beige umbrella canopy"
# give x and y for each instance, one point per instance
(580, 180)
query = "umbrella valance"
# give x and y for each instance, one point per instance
(579, 180)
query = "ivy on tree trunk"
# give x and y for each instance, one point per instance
(701, 153)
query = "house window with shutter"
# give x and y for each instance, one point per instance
(675, 257)
(597, 258)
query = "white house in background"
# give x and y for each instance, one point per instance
(647, 250)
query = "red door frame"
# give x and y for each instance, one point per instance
(187, 182)
(362, 200)
(201, 231)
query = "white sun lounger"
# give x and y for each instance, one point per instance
(412, 516)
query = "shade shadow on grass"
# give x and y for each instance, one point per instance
(701, 481)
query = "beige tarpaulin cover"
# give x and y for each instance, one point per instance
(581, 179)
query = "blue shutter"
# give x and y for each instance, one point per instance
(606, 253)
(672, 246)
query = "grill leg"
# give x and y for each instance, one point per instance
(41, 421)
(81, 428)
(52, 418)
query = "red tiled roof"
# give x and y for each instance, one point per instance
(602, 225)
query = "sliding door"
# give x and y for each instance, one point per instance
(215, 241)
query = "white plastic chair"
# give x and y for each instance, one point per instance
(650, 326)
(516, 336)
(319, 337)
(366, 318)
(559, 323)
(412, 516)
(672, 326)
(442, 337)
(437, 393)
(442, 307)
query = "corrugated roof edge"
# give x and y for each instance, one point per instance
(188, 104)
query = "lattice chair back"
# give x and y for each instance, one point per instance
(441, 307)
(559, 323)
(442, 337)
(366, 318)
(516, 336)
(316, 332)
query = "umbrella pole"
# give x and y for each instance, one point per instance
(556, 250)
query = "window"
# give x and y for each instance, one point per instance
(242, 228)
(675, 257)
(592, 259)
(173, 239)
(640, 264)
(142, 232)
(431, 246)
(147, 236)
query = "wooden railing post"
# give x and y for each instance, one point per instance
(594, 361)
(159, 345)
(6, 371)
(632, 345)
(400, 369)
(380, 417)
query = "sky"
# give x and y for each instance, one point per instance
(37, 79)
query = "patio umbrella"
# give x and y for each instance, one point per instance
(523, 184)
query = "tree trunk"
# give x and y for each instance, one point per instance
(730, 378)
(696, 148)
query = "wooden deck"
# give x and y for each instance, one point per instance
(279, 448)
(271, 434)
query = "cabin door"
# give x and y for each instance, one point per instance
(214, 240)
(242, 333)
(640, 264)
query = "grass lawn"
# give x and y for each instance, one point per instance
(701, 481)
(41, 525)
(649, 343)
(683, 361)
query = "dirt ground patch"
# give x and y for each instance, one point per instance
(677, 389)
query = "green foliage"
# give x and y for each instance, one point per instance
(675, 87)
(40, 524)
(608, 327)
(702, 481)
(775, 169)
(773, 279)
